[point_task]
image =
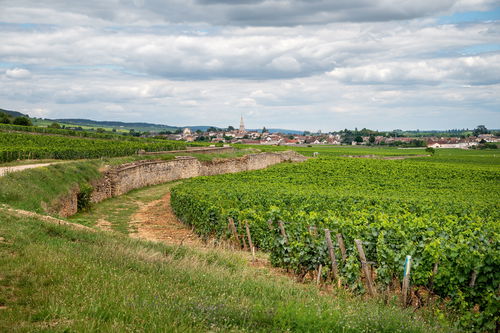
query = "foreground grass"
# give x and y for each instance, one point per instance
(58, 279)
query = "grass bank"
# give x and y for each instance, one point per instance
(57, 279)
(35, 189)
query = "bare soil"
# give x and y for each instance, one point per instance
(104, 224)
(155, 221)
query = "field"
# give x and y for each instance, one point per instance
(441, 210)
(19, 146)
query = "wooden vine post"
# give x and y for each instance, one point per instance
(431, 284)
(283, 232)
(340, 240)
(250, 243)
(364, 267)
(232, 228)
(329, 244)
(473, 278)
(406, 281)
(318, 278)
(270, 224)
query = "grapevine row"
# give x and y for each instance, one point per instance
(18, 146)
(437, 214)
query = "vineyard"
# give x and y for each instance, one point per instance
(18, 146)
(66, 132)
(444, 215)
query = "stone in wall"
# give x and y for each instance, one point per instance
(64, 206)
(103, 187)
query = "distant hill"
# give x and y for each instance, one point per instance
(138, 126)
(118, 124)
(14, 113)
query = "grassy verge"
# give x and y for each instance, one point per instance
(57, 279)
(37, 188)
(237, 153)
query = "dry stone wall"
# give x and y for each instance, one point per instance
(130, 176)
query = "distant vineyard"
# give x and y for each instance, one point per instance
(67, 132)
(446, 216)
(18, 146)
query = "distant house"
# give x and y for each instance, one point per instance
(451, 143)
(291, 141)
(186, 132)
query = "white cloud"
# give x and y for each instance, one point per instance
(472, 70)
(114, 108)
(246, 102)
(286, 64)
(18, 73)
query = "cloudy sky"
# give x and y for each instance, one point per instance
(297, 64)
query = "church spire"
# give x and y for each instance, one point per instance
(242, 125)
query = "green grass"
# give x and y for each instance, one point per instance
(209, 157)
(55, 279)
(37, 188)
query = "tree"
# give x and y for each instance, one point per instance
(371, 139)
(4, 118)
(230, 128)
(481, 129)
(358, 139)
(54, 125)
(22, 121)
(264, 130)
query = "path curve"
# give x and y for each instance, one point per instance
(15, 168)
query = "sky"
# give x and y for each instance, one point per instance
(296, 64)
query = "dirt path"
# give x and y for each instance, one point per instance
(6, 170)
(155, 221)
(45, 218)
